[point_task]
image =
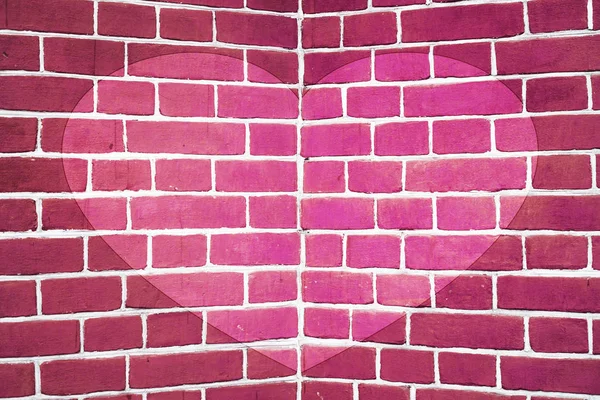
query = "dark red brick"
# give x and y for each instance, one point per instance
(557, 94)
(255, 29)
(17, 215)
(562, 172)
(557, 15)
(61, 94)
(182, 24)
(120, 19)
(36, 256)
(370, 29)
(20, 53)
(62, 296)
(64, 377)
(63, 16)
(83, 56)
(321, 32)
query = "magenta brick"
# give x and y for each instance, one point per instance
(117, 252)
(336, 140)
(62, 377)
(370, 29)
(24, 256)
(411, 64)
(273, 212)
(17, 215)
(257, 29)
(19, 134)
(272, 363)
(19, 380)
(557, 94)
(86, 214)
(462, 60)
(337, 67)
(553, 15)
(255, 102)
(558, 335)
(180, 24)
(461, 136)
(338, 362)
(18, 298)
(327, 323)
(596, 91)
(337, 213)
(62, 296)
(319, 390)
(464, 292)
(116, 175)
(185, 100)
(121, 97)
(178, 251)
(210, 3)
(337, 287)
(272, 286)
(322, 103)
(446, 394)
(119, 19)
(410, 366)
(279, 391)
(272, 66)
(466, 213)
(251, 325)
(323, 250)
(371, 391)
(466, 22)
(22, 53)
(274, 5)
(324, 177)
(40, 15)
(402, 139)
(374, 177)
(467, 369)
(596, 336)
(373, 102)
(556, 252)
(403, 290)
(112, 333)
(39, 338)
(373, 251)
(379, 326)
(316, 6)
(255, 249)
(256, 176)
(83, 56)
(273, 140)
(562, 172)
(171, 395)
(174, 329)
(183, 175)
(321, 32)
(82, 135)
(408, 213)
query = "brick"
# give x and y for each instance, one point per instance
(596, 14)
(178, 251)
(84, 214)
(185, 137)
(374, 392)
(373, 102)
(327, 323)
(74, 295)
(73, 135)
(18, 298)
(40, 256)
(324, 177)
(256, 29)
(461, 136)
(323, 250)
(411, 64)
(251, 325)
(185, 100)
(548, 55)
(556, 252)
(411, 366)
(562, 172)
(178, 212)
(465, 175)
(595, 252)
(255, 102)
(116, 175)
(84, 56)
(315, 390)
(467, 330)
(402, 139)
(403, 290)
(128, 20)
(337, 287)
(39, 338)
(121, 97)
(181, 24)
(272, 286)
(210, 3)
(316, 6)
(321, 32)
(337, 213)
(256, 176)
(374, 177)
(552, 375)
(273, 140)
(558, 335)
(462, 60)
(471, 98)
(40, 15)
(553, 15)
(465, 292)
(373, 251)
(557, 94)
(370, 29)
(272, 66)
(185, 290)
(322, 103)
(466, 213)
(18, 134)
(172, 395)
(17, 215)
(183, 175)
(273, 212)
(19, 380)
(274, 5)
(63, 94)
(596, 92)
(101, 334)
(255, 249)
(445, 394)
(117, 252)
(548, 293)
(337, 67)
(22, 53)
(408, 213)
(596, 336)
(174, 329)
(271, 363)
(63, 377)
(266, 391)
(379, 327)
(336, 362)
(467, 369)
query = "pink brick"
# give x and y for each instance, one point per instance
(337, 67)
(36, 15)
(42, 175)
(403, 290)
(373, 251)
(256, 176)
(466, 213)
(321, 32)
(272, 286)
(322, 103)
(183, 175)
(274, 5)
(87, 214)
(467, 369)
(252, 325)
(402, 65)
(464, 292)
(379, 327)
(337, 287)
(73, 295)
(596, 92)
(272, 66)
(336, 140)
(82, 135)
(18, 298)
(174, 329)
(326, 323)
(185, 100)
(116, 19)
(113, 333)
(403, 365)
(562, 172)
(408, 213)
(117, 252)
(279, 391)
(373, 102)
(553, 15)
(257, 29)
(370, 29)
(273, 140)
(402, 139)
(271, 363)
(180, 24)
(556, 252)
(337, 213)
(462, 60)
(324, 177)
(255, 102)
(255, 249)
(317, 390)
(323, 250)
(375, 392)
(19, 380)
(557, 94)
(17, 215)
(596, 252)
(273, 212)
(20, 134)
(79, 376)
(116, 175)
(83, 56)
(120, 97)
(22, 256)
(39, 338)
(558, 335)
(461, 136)
(314, 7)
(375, 177)
(339, 362)
(178, 251)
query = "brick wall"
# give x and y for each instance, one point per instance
(285, 200)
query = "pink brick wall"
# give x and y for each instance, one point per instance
(299, 199)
